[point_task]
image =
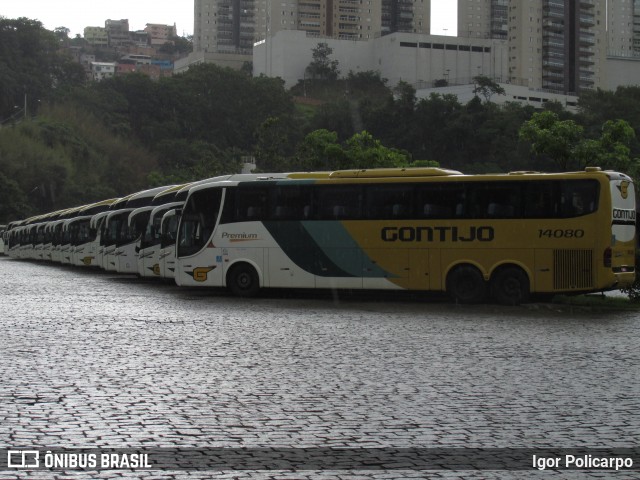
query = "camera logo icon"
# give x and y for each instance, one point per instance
(23, 459)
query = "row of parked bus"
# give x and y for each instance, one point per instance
(135, 234)
(502, 236)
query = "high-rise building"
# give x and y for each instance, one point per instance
(636, 28)
(405, 16)
(474, 18)
(623, 27)
(234, 25)
(483, 18)
(225, 25)
(344, 19)
(557, 45)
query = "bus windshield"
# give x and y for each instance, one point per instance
(198, 220)
(132, 232)
(169, 229)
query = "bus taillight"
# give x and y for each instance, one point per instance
(606, 258)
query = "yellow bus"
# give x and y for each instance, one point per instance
(505, 236)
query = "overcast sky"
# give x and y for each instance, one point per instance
(77, 14)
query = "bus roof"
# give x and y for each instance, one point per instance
(139, 210)
(69, 221)
(164, 206)
(97, 207)
(145, 197)
(121, 202)
(168, 195)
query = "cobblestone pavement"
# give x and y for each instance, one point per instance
(96, 360)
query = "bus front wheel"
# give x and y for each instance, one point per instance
(243, 280)
(465, 284)
(510, 286)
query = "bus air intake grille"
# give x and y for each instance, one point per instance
(572, 269)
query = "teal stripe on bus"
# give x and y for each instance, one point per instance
(323, 248)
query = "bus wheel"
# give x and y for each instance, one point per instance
(510, 286)
(465, 284)
(243, 280)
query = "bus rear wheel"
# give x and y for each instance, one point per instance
(466, 285)
(243, 280)
(510, 286)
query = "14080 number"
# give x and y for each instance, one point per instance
(560, 233)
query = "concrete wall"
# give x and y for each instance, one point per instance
(622, 71)
(513, 93)
(414, 58)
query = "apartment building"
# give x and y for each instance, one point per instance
(234, 25)
(225, 25)
(405, 16)
(636, 27)
(623, 28)
(118, 31)
(225, 31)
(556, 45)
(474, 18)
(96, 36)
(160, 34)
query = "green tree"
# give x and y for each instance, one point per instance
(364, 151)
(13, 204)
(271, 149)
(32, 67)
(320, 151)
(486, 87)
(565, 143)
(560, 140)
(321, 66)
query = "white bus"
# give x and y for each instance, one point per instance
(127, 246)
(83, 236)
(167, 255)
(149, 244)
(115, 232)
(167, 252)
(12, 238)
(96, 226)
(3, 229)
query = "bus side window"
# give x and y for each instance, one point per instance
(291, 202)
(440, 200)
(388, 202)
(578, 197)
(494, 200)
(539, 200)
(431, 210)
(251, 204)
(338, 202)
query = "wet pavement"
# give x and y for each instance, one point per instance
(104, 361)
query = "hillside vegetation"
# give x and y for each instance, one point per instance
(81, 141)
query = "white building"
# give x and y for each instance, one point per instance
(102, 70)
(513, 93)
(417, 59)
